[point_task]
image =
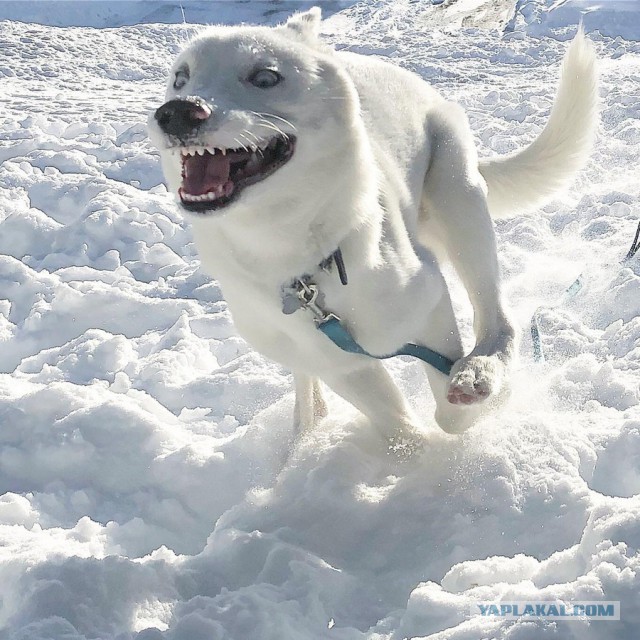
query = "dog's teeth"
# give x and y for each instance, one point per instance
(204, 197)
(223, 151)
(200, 151)
(253, 161)
(210, 150)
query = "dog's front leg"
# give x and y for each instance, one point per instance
(456, 212)
(310, 405)
(370, 388)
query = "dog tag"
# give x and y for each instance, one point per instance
(290, 303)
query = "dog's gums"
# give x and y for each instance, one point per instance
(212, 177)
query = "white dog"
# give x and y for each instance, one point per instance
(303, 167)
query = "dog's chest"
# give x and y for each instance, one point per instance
(289, 338)
(380, 312)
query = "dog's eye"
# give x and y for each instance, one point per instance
(265, 78)
(182, 77)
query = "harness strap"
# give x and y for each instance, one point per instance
(303, 293)
(571, 292)
(339, 335)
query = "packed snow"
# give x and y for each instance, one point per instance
(146, 489)
(116, 13)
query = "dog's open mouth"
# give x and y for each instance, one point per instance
(213, 177)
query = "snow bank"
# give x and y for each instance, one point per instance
(117, 13)
(145, 487)
(611, 18)
(539, 18)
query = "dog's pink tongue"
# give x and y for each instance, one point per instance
(205, 173)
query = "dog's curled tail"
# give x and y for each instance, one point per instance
(527, 179)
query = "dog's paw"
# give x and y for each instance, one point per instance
(474, 379)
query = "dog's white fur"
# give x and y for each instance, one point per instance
(385, 169)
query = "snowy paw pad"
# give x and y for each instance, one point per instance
(474, 380)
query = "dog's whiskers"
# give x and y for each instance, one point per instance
(254, 136)
(272, 115)
(273, 127)
(241, 145)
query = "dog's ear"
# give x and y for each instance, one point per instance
(306, 23)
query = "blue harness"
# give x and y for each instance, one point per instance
(304, 294)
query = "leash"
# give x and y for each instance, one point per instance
(336, 332)
(303, 293)
(570, 292)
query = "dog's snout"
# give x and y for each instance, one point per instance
(181, 116)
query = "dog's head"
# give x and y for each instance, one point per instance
(250, 111)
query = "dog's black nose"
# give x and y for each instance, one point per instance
(182, 116)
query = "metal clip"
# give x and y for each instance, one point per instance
(306, 295)
(311, 298)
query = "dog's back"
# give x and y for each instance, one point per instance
(395, 107)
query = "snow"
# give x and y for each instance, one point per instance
(117, 13)
(144, 490)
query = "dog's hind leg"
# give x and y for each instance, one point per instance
(310, 405)
(455, 216)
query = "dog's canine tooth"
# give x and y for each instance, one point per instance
(253, 161)
(223, 151)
